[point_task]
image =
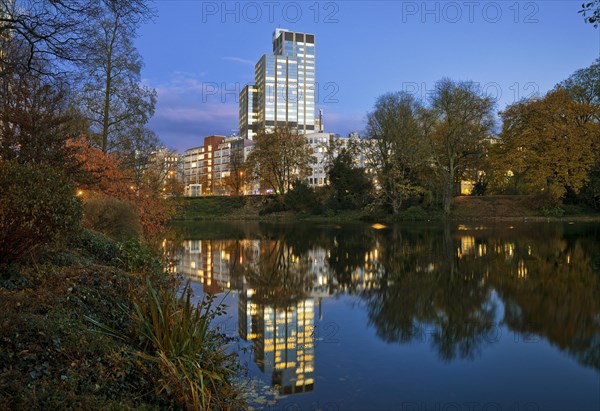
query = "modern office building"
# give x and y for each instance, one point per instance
(247, 115)
(284, 91)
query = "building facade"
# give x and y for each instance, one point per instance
(327, 146)
(284, 91)
(208, 168)
(167, 166)
(247, 114)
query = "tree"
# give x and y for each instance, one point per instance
(457, 125)
(34, 119)
(235, 181)
(36, 116)
(279, 158)
(591, 12)
(103, 172)
(396, 146)
(584, 85)
(106, 174)
(351, 186)
(138, 152)
(50, 30)
(549, 144)
(114, 100)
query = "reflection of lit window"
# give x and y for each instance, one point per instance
(521, 269)
(509, 249)
(467, 244)
(482, 250)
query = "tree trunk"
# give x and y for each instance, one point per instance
(107, 86)
(447, 193)
(106, 114)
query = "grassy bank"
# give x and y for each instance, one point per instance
(513, 208)
(217, 207)
(505, 207)
(95, 324)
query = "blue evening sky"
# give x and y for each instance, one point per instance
(199, 54)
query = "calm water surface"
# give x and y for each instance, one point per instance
(412, 317)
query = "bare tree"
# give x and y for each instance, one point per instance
(50, 30)
(459, 121)
(114, 100)
(235, 181)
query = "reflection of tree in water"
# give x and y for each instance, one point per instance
(280, 277)
(547, 279)
(424, 294)
(347, 249)
(434, 285)
(552, 290)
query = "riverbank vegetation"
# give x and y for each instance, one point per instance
(90, 318)
(96, 324)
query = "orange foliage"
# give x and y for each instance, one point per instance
(106, 174)
(104, 171)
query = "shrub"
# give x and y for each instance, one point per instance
(37, 206)
(271, 205)
(553, 212)
(415, 213)
(175, 334)
(301, 197)
(112, 217)
(134, 256)
(97, 246)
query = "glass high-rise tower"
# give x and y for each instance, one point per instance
(284, 91)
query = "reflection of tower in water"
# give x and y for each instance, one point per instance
(208, 263)
(283, 341)
(282, 334)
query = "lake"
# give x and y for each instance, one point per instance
(491, 316)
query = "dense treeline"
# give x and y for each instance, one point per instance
(547, 145)
(415, 154)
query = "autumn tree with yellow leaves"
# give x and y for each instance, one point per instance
(548, 144)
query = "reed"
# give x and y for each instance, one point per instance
(196, 369)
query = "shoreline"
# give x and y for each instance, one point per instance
(465, 209)
(450, 219)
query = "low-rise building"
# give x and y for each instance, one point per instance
(208, 168)
(198, 167)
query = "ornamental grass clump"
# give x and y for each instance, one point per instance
(196, 370)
